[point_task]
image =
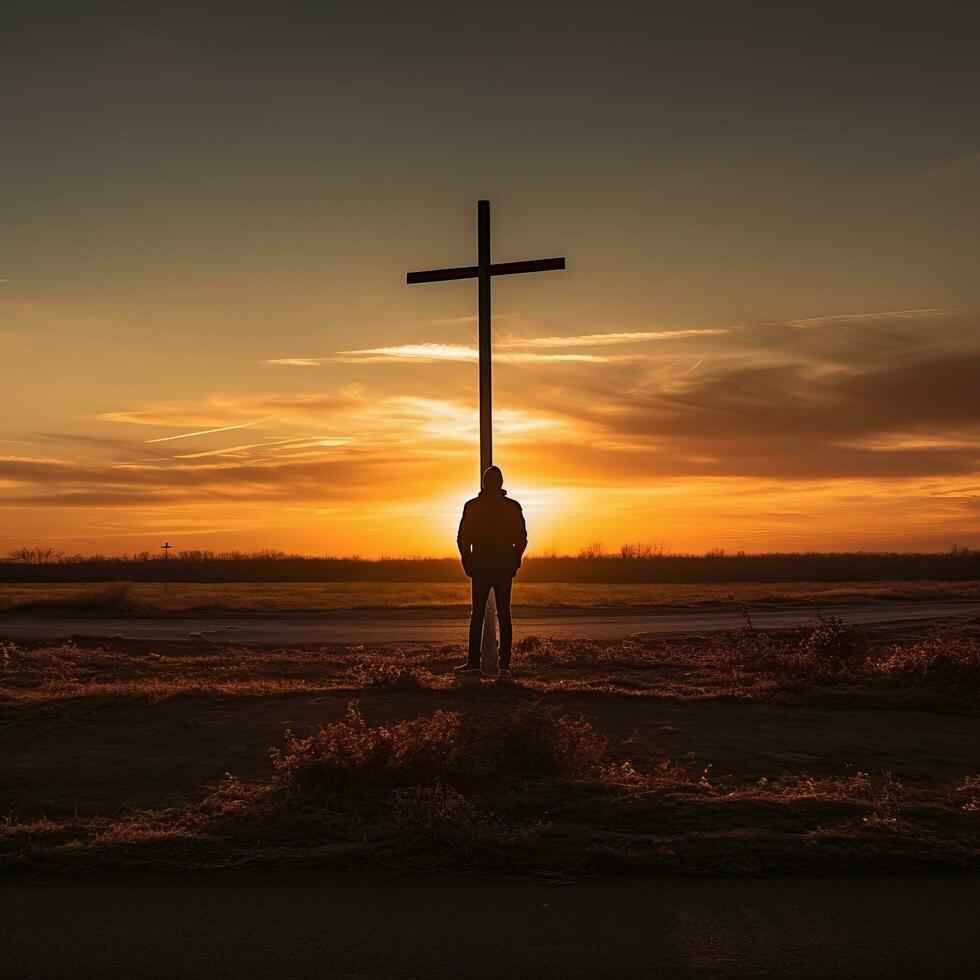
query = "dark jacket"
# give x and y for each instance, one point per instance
(492, 536)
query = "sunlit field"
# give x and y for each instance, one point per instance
(273, 597)
(812, 750)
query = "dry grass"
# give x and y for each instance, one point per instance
(935, 667)
(519, 778)
(110, 597)
(530, 790)
(392, 671)
(944, 659)
(275, 597)
(70, 671)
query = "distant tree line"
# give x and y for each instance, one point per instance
(632, 563)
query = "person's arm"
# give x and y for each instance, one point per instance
(464, 542)
(520, 539)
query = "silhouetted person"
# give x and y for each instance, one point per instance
(492, 539)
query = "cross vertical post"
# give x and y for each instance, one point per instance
(489, 651)
(485, 341)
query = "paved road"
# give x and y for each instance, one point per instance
(293, 925)
(395, 626)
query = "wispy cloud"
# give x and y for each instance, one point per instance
(238, 452)
(855, 319)
(604, 339)
(458, 321)
(435, 353)
(226, 410)
(209, 432)
(411, 352)
(532, 357)
(515, 350)
(218, 411)
(273, 445)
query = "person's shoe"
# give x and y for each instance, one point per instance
(505, 675)
(465, 670)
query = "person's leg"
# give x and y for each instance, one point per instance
(481, 592)
(501, 589)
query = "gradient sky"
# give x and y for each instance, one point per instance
(767, 336)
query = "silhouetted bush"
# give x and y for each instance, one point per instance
(447, 747)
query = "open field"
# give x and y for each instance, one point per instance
(813, 750)
(277, 597)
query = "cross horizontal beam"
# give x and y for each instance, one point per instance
(496, 269)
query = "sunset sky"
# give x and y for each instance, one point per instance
(767, 336)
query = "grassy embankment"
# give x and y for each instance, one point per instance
(811, 750)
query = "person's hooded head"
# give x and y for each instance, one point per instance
(493, 480)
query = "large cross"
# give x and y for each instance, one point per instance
(483, 271)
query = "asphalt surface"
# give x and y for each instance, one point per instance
(297, 925)
(395, 626)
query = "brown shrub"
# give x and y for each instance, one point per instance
(685, 773)
(970, 790)
(551, 651)
(461, 751)
(831, 652)
(833, 641)
(947, 661)
(393, 672)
